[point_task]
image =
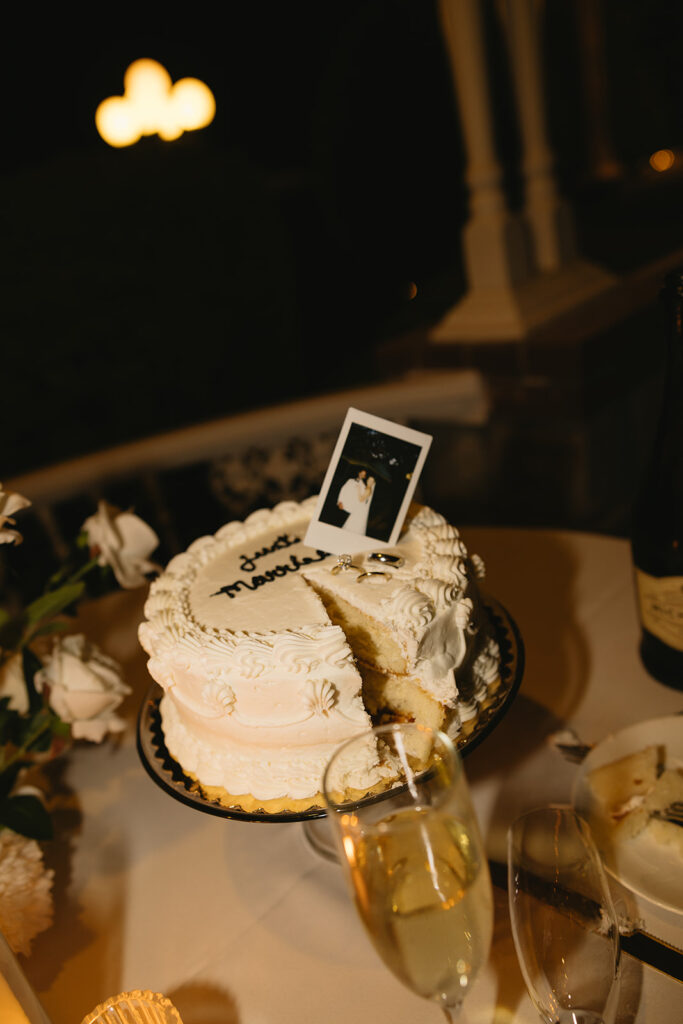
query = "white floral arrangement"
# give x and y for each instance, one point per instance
(56, 688)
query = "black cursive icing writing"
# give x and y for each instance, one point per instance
(259, 580)
(248, 563)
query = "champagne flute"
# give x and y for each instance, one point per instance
(564, 924)
(415, 862)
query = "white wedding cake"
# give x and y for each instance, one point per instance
(271, 653)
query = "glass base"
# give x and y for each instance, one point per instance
(319, 838)
(579, 1017)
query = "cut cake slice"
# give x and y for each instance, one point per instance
(621, 788)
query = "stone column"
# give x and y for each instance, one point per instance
(495, 247)
(605, 164)
(548, 216)
(510, 291)
(495, 251)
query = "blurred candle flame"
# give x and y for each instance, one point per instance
(154, 105)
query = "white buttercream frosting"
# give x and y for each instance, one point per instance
(320, 695)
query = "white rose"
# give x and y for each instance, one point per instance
(85, 687)
(10, 503)
(13, 684)
(123, 541)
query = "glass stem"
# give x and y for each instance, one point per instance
(451, 1013)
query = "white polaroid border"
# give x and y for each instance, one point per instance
(336, 540)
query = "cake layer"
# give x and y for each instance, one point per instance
(265, 770)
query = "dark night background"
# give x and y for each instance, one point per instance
(270, 255)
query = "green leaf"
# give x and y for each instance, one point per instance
(32, 664)
(26, 815)
(10, 722)
(57, 577)
(39, 744)
(24, 730)
(8, 777)
(37, 731)
(60, 728)
(56, 626)
(54, 602)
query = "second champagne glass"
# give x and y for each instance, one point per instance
(416, 865)
(564, 923)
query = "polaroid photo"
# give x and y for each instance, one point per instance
(368, 486)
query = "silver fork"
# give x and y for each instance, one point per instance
(574, 752)
(568, 744)
(672, 813)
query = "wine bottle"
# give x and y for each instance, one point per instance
(657, 535)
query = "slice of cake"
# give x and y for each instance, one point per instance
(621, 788)
(415, 622)
(271, 654)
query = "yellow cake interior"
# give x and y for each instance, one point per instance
(630, 790)
(370, 640)
(390, 694)
(620, 788)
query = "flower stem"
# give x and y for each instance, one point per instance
(61, 577)
(7, 762)
(85, 568)
(53, 601)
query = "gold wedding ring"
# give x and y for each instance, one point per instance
(343, 562)
(395, 561)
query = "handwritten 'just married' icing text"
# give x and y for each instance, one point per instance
(248, 564)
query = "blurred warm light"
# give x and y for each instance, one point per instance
(412, 291)
(662, 160)
(193, 104)
(153, 105)
(349, 850)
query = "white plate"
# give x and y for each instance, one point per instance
(641, 864)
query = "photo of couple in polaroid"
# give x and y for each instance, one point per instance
(369, 484)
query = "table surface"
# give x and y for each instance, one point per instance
(242, 923)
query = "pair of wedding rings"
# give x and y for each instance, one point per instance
(383, 557)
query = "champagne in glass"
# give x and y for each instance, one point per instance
(416, 865)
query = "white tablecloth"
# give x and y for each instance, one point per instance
(242, 923)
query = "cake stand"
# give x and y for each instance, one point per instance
(169, 776)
